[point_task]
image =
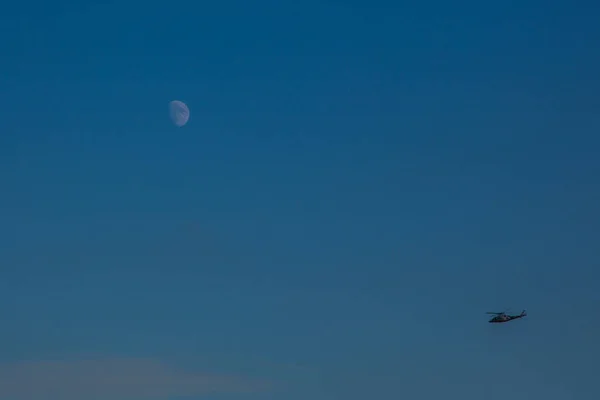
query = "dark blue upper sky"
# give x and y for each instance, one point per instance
(359, 182)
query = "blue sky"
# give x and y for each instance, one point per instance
(359, 182)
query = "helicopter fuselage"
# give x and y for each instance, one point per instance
(498, 319)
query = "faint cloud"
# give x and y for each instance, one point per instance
(135, 379)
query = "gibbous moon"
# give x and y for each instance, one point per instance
(179, 112)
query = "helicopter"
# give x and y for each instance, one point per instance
(503, 317)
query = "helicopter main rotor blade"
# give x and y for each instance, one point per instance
(495, 313)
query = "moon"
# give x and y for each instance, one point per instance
(179, 112)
